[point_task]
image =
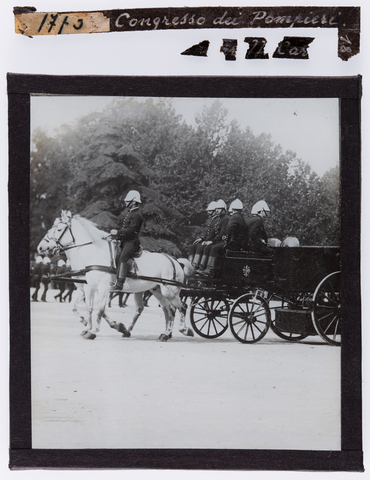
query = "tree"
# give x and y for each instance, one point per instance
(178, 168)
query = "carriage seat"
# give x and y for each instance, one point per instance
(247, 255)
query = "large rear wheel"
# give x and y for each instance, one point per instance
(249, 318)
(326, 311)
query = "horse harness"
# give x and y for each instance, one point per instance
(67, 247)
(112, 269)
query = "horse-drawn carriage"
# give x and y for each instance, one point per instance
(295, 291)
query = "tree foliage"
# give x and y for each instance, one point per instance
(178, 168)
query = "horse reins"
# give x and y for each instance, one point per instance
(111, 268)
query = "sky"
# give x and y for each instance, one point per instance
(309, 127)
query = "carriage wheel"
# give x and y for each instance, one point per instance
(208, 316)
(249, 318)
(291, 337)
(326, 312)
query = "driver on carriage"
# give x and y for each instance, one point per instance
(199, 251)
(217, 246)
(256, 229)
(237, 232)
(128, 237)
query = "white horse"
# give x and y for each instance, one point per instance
(90, 253)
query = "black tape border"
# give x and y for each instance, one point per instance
(22, 456)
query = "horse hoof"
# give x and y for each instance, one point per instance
(122, 329)
(187, 332)
(163, 337)
(89, 335)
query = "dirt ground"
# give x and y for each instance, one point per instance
(114, 392)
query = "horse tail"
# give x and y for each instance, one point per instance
(186, 266)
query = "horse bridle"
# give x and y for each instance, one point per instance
(58, 240)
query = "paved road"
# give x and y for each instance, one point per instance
(188, 393)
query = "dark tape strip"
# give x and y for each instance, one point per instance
(345, 19)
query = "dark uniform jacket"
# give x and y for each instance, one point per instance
(131, 226)
(257, 235)
(220, 228)
(237, 233)
(209, 230)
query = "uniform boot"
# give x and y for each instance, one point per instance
(191, 258)
(121, 277)
(196, 260)
(210, 270)
(203, 263)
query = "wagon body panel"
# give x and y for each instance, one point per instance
(290, 277)
(287, 270)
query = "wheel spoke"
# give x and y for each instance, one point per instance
(246, 331)
(325, 307)
(327, 328)
(204, 317)
(336, 329)
(329, 300)
(330, 324)
(261, 321)
(334, 292)
(261, 314)
(243, 321)
(218, 321)
(320, 319)
(200, 311)
(256, 326)
(209, 327)
(245, 325)
(252, 332)
(204, 324)
(246, 311)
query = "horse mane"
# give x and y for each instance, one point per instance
(90, 227)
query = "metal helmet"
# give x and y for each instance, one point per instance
(236, 205)
(39, 259)
(46, 260)
(211, 207)
(133, 196)
(221, 204)
(260, 206)
(61, 263)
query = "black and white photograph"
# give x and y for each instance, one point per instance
(184, 252)
(196, 223)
